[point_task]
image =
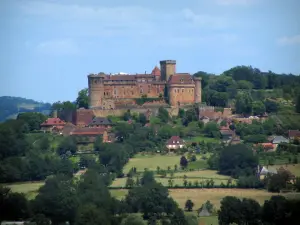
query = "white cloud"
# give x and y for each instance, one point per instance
(234, 2)
(291, 40)
(58, 47)
(204, 20)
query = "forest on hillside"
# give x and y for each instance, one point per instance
(11, 106)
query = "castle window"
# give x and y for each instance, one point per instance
(182, 90)
(115, 91)
(141, 91)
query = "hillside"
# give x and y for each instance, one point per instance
(11, 106)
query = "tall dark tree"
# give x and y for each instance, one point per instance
(183, 162)
(82, 100)
(57, 200)
(33, 119)
(237, 160)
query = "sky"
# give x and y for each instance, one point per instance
(48, 47)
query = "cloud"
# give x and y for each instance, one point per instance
(234, 2)
(205, 20)
(291, 40)
(58, 47)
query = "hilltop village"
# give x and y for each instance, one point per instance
(158, 148)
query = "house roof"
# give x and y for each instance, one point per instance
(88, 131)
(175, 140)
(294, 133)
(267, 145)
(181, 78)
(279, 139)
(53, 122)
(101, 121)
(156, 71)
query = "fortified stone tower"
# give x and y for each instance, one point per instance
(96, 89)
(197, 89)
(167, 68)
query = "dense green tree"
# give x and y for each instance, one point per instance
(82, 100)
(237, 160)
(12, 139)
(163, 115)
(243, 84)
(271, 106)
(189, 205)
(89, 214)
(211, 129)
(57, 200)
(229, 211)
(67, 105)
(183, 162)
(132, 219)
(67, 145)
(243, 104)
(32, 119)
(258, 108)
(13, 206)
(275, 211)
(142, 119)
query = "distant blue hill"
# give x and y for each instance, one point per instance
(11, 106)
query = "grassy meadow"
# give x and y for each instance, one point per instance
(151, 162)
(29, 189)
(214, 195)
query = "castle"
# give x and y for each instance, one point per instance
(108, 92)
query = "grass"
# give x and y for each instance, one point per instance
(202, 138)
(29, 189)
(293, 168)
(278, 159)
(200, 196)
(201, 174)
(192, 176)
(209, 220)
(151, 162)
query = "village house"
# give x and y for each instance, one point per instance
(292, 134)
(89, 134)
(101, 122)
(267, 147)
(175, 142)
(53, 125)
(279, 139)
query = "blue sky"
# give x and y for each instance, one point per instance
(49, 46)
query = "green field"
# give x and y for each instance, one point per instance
(151, 162)
(178, 177)
(215, 195)
(202, 138)
(30, 189)
(293, 168)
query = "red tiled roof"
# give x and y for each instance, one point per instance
(294, 133)
(175, 140)
(88, 131)
(181, 78)
(267, 145)
(53, 122)
(156, 71)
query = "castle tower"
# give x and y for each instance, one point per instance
(167, 68)
(96, 89)
(197, 89)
